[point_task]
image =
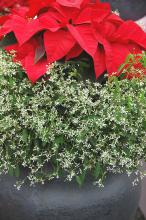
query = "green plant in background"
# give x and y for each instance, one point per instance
(66, 127)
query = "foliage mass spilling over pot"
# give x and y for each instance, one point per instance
(49, 30)
(66, 127)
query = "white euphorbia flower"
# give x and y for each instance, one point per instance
(142, 23)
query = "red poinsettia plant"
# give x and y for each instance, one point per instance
(50, 30)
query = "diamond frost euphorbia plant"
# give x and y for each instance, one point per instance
(64, 127)
(47, 31)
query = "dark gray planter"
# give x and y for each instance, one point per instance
(129, 9)
(57, 200)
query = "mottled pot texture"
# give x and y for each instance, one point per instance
(129, 9)
(57, 200)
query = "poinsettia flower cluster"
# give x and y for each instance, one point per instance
(50, 30)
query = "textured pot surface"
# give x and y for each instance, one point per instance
(129, 9)
(57, 200)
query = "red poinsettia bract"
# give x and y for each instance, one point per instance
(50, 30)
(8, 4)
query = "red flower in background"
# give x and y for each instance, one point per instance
(7, 4)
(50, 30)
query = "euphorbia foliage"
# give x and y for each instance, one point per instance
(50, 30)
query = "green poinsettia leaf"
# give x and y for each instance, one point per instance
(8, 40)
(39, 53)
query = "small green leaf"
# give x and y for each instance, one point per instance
(144, 124)
(118, 114)
(8, 40)
(11, 82)
(129, 102)
(142, 97)
(25, 135)
(39, 53)
(130, 58)
(81, 178)
(122, 75)
(90, 117)
(17, 171)
(11, 171)
(59, 140)
(97, 171)
(121, 67)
